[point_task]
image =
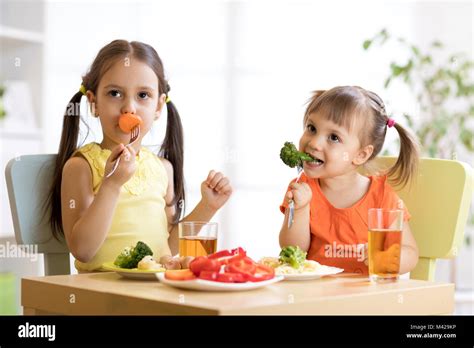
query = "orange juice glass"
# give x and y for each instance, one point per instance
(385, 241)
(197, 238)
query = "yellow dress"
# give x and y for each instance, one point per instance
(140, 211)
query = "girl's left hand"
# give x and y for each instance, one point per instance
(215, 190)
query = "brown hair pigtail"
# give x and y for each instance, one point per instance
(173, 150)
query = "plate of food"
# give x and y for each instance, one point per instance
(225, 270)
(134, 273)
(209, 285)
(292, 265)
(137, 262)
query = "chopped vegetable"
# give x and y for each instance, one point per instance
(202, 263)
(293, 255)
(131, 256)
(227, 266)
(148, 263)
(244, 266)
(128, 121)
(226, 256)
(262, 273)
(179, 274)
(228, 277)
(292, 157)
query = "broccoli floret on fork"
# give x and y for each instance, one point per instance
(290, 155)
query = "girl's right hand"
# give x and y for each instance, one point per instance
(126, 167)
(300, 193)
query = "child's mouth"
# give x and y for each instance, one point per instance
(315, 163)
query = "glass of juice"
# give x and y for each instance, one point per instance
(385, 242)
(197, 238)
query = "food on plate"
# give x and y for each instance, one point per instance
(292, 157)
(132, 255)
(179, 274)
(293, 256)
(292, 260)
(272, 262)
(308, 266)
(128, 121)
(171, 262)
(165, 258)
(282, 268)
(185, 261)
(148, 263)
(202, 263)
(141, 256)
(225, 266)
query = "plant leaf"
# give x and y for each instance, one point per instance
(366, 44)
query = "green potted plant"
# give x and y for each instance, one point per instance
(444, 91)
(2, 108)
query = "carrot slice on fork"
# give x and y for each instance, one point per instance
(128, 121)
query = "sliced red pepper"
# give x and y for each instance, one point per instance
(262, 273)
(226, 256)
(208, 275)
(228, 277)
(202, 263)
(245, 266)
(219, 254)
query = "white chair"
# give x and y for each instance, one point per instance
(28, 181)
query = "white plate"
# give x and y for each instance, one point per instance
(132, 273)
(321, 272)
(207, 285)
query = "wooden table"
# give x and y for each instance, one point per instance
(107, 293)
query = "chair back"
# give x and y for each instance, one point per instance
(28, 180)
(439, 201)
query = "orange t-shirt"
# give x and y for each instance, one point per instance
(338, 236)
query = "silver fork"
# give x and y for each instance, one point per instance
(134, 134)
(291, 203)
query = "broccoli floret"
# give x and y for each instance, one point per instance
(293, 255)
(131, 256)
(292, 157)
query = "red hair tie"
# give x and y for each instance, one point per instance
(390, 122)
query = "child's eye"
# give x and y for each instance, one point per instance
(143, 95)
(114, 93)
(334, 138)
(311, 128)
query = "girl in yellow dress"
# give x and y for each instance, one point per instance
(100, 214)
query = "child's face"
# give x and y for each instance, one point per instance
(131, 87)
(339, 149)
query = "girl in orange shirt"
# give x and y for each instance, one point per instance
(344, 128)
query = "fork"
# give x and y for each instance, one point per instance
(291, 203)
(134, 134)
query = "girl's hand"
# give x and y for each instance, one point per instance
(301, 194)
(387, 260)
(126, 167)
(215, 190)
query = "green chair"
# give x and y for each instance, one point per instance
(438, 201)
(28, 180)
(8, 294)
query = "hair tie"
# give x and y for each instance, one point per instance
(83, 89)
(167, 99)
(390, 122)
